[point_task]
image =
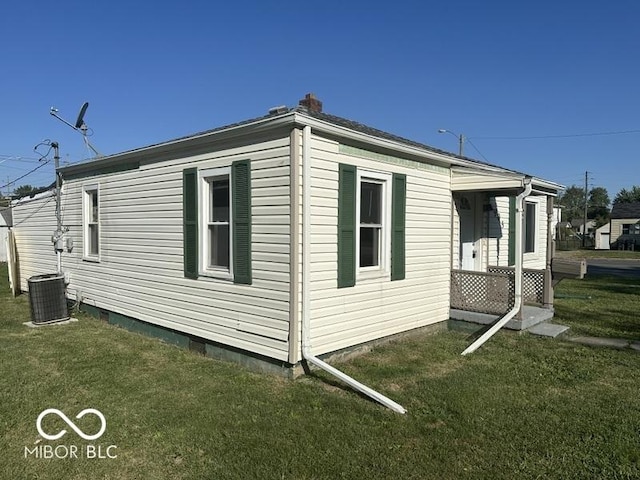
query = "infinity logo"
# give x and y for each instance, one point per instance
(71, 424)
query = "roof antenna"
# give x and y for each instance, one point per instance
(79, 126)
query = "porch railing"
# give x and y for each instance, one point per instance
(492, 291)
(532, 283)
(482, 291)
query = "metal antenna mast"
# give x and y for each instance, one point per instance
(80, 126)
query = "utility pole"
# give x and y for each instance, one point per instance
(461, 138)
(586, 203)
(57, 235)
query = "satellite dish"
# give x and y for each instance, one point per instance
(83, 110)
(80, 126)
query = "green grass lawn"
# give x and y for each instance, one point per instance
(590, 253)
(600, 306)
(520, 407)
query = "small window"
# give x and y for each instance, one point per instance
(218, 223)
(530, 228)
(370, 223)
(373, 241)
(91, 229)
(215, 242)
(631, 228)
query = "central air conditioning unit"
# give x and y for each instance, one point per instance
(47, 298)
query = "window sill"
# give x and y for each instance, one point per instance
(91, 259)
(218, 275)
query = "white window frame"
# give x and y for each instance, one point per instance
(384, 267)
(87, 191)
(203, 223)
(536, 221)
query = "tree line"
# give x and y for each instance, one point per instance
(572, 201)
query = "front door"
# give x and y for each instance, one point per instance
(467, 235)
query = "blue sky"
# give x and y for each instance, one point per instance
(160, 70)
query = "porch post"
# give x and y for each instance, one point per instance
(547, 292)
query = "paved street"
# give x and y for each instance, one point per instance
(613, 266)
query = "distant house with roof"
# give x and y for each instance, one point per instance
(579, 226)
(625, 226)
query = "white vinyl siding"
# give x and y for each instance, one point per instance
(465, 180)
(34, 220)
(617, 227)
(378, 307)
(498, 239)
(141, 272)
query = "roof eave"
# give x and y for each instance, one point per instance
(193, 141)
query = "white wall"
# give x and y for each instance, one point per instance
(34, 221)
(3, 243)
(141, 269)
(374, 308)
(499, 247)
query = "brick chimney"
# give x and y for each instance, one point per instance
(312, 103)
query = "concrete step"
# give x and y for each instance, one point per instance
(530, 316)
(546, 329)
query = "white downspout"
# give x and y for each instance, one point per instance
(306, 284)
(518, 273)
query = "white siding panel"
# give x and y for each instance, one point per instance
(375, 308)
(141, 269)
(499, 246)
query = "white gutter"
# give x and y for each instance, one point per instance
(306, 284)
(518, 274)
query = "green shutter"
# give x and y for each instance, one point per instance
(347, 226)
(398, 220)
(241, 211)
(190, 221)
(512, 230)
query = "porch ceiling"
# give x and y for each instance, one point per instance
(498, 183)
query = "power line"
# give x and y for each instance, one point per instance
(46, 143)
(534, 137)
(476, 149)
(16, 158)
(26, 174)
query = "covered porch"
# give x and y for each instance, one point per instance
(484, 256)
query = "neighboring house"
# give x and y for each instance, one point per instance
(563, 230)
(625, 226)
(5, 223)
(235, 237)
(603, 237)
(578, 226)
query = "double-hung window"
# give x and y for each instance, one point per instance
(216, 231)
(373, 212)
(371, 225)
(91, 222)
(216, 213)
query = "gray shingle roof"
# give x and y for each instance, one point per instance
(626, 210)
(321, 116)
